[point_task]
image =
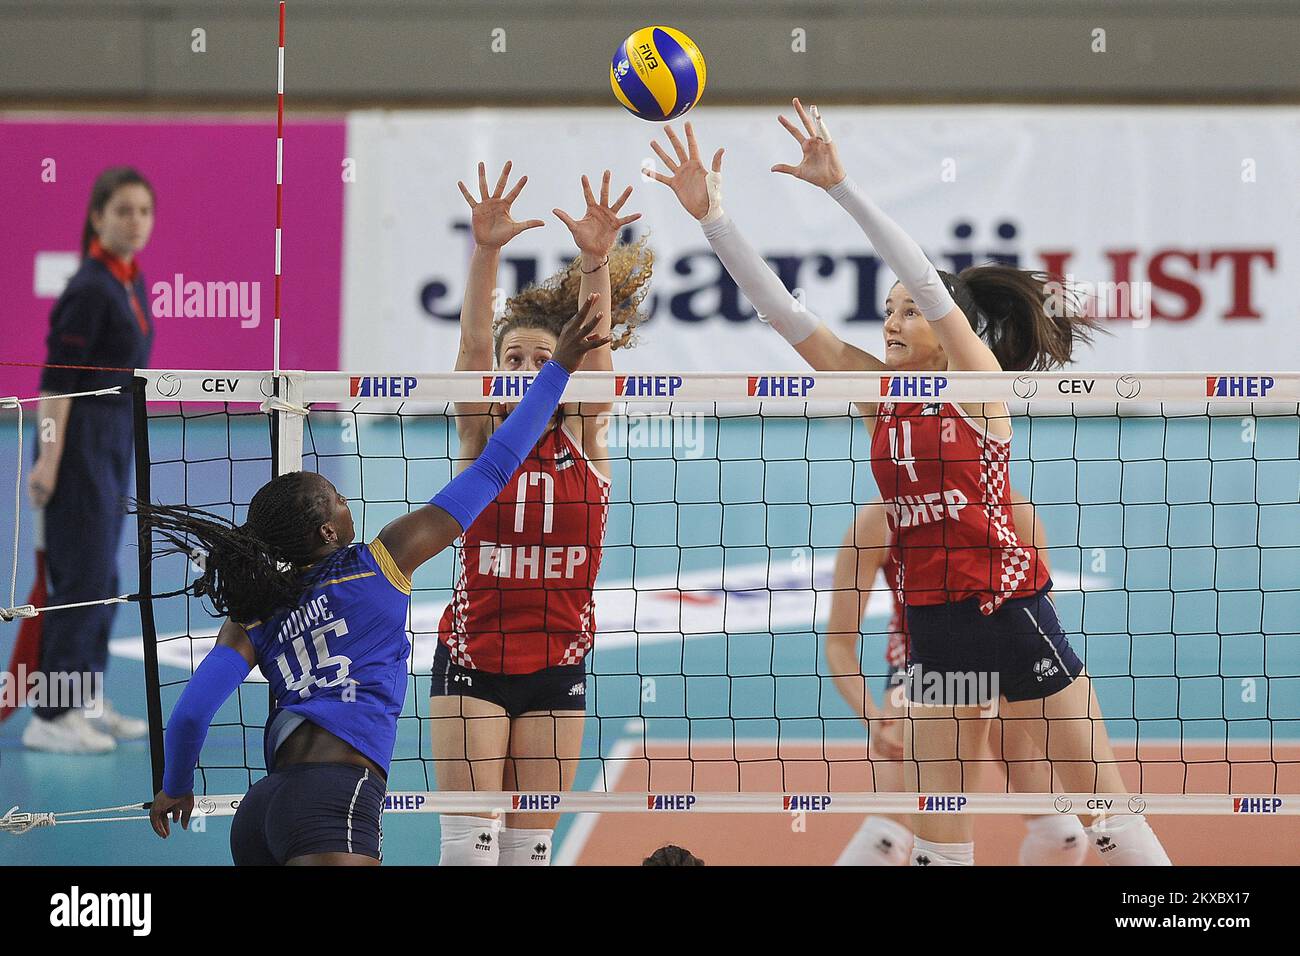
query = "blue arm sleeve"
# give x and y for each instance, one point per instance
(216, 678)
(466, 495)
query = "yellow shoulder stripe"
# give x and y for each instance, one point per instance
(350, 577)
(386, 564)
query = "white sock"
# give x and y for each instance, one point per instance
(878, 842)
(1127, 840)
(1054, 841)
(925, 853)
(525, 847)
(469, 841)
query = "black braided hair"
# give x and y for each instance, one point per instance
(254, 569)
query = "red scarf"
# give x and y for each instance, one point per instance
(126, 274)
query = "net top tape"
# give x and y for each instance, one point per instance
(1087, 388)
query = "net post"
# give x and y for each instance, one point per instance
(286, 425)
(144, 542)
(286, 440)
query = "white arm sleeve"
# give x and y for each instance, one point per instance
(899, 250)
(755, 278)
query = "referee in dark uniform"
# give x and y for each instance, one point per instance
(83, 462)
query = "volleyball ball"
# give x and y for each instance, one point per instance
(657, 73)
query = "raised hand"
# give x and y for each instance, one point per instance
(576, 338)
(821, 160)
(490, 219)
(689, 180)
(597, 231)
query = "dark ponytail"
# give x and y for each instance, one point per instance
(1032, 321)
(252, 570)
(108, 182)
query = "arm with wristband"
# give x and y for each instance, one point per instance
(820, 165)
(700, 193)
(218, 676)
(415, 538)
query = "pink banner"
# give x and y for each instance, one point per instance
(210, 265)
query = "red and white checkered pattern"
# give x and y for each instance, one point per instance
(456, 642)
(1015, 560)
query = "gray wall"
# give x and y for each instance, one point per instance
(356, 52)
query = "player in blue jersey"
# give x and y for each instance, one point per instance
(325, 621)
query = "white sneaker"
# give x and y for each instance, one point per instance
(118, 726)
(69, 733)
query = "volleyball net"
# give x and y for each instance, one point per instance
(1170, 502)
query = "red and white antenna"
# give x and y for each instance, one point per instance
(279, 180)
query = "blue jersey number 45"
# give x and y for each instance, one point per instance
(316, 667)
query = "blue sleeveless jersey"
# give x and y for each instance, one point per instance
(338, 657)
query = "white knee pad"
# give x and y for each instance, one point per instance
(1054, 841)
(525, 847)
(925, 853)
(878, 842)
(469, 841)
(1127, 840)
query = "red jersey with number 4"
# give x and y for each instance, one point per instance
(523, 599)
(947, 493)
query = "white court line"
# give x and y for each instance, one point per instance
(575, 839)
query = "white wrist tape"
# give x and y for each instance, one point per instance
(714, 183)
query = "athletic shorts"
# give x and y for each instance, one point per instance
(555, 688)
(1019, 652)
(310, 808)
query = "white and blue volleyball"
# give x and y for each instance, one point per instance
(658, 73)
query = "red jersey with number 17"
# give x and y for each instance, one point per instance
(528, 564)
(947, 494)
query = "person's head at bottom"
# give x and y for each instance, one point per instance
(671, 855)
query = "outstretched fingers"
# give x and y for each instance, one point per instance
(514, 193)
(501, 180)
(466, 193)
(482, 182)
(717, 160)
(618, 203)
(682, 155)
(667, 160)
(800, 138)
(692, 149)
(807, 120)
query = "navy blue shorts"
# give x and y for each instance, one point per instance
(1018, 652)
(310, 808)
(555, 688)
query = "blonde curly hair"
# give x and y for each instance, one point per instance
(552, 303)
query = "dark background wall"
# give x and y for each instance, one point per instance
(390, 52)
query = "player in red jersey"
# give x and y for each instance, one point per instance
(509, 676)
(978, 602)
(869, 550)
